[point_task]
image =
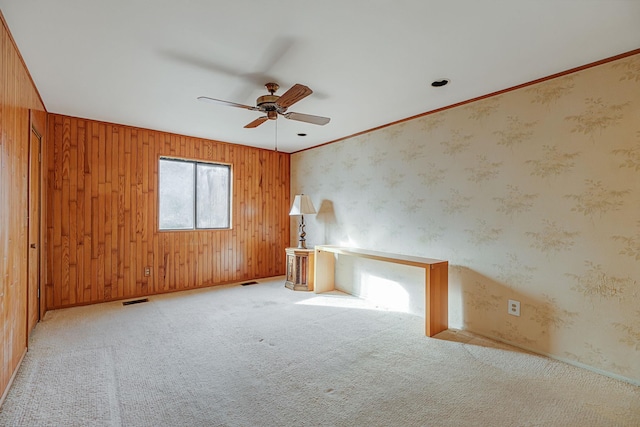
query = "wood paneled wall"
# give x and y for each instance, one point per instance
(17, 95)
(102, 216)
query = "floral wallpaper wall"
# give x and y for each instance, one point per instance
(532, 195)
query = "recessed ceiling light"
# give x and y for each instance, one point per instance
(440, 83)
(302, 134)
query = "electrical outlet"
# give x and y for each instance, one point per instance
(147, 271)
(514, 308)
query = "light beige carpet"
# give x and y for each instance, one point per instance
(263, 355)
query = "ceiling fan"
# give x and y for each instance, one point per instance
(272, 105)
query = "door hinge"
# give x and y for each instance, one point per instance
(38, 292)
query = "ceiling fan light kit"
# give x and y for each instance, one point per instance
(273, 105)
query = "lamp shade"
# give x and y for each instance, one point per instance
(302, 205)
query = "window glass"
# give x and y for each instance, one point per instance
(212, 196)
(176, 195)
(194, 195)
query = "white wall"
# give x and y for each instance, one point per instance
(531, 195)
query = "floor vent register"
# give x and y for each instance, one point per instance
(136, 301)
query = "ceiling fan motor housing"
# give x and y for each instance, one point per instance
(267, 103)
(266, 100)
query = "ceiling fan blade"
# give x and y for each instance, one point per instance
(316, 120)
(257, 122)
(293, 95)
(227, 103)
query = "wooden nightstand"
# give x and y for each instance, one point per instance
(300, 268)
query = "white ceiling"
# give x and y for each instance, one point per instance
(369, 62)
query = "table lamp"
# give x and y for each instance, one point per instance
(302, 206)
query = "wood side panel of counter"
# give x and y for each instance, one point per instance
(437, 298)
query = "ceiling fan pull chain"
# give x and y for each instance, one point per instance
(276, 136)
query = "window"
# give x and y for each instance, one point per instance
(194, 195)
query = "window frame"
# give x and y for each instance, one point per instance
(195, 164)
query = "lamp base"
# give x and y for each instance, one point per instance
(302, 244)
